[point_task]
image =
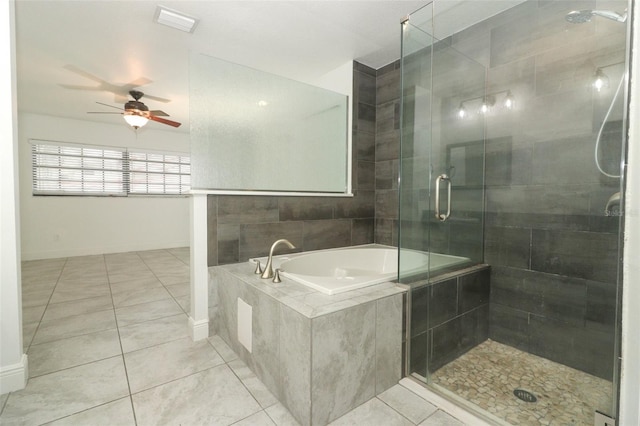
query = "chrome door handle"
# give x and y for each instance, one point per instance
(442, 217)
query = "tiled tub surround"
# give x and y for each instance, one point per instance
(448, 318)
(320, 355)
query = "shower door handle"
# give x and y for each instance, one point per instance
(442, 217)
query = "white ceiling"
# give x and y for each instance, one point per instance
(59, 42)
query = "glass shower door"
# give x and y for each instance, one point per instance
(441, 180)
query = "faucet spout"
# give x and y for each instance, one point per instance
(268, 269)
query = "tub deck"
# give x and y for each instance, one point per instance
(346, 269)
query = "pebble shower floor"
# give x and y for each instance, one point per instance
(488, 374)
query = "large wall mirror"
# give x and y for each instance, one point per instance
(259, 132)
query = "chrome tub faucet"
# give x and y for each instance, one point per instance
(268, 269)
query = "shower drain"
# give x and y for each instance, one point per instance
(524, 395)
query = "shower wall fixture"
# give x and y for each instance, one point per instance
(483, 104)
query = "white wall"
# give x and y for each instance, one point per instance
(54, 226)
(13, 363)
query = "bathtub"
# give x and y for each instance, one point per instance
(339, 270)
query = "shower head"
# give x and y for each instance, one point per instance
(582, 16)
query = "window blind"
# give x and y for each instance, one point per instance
(69, 169)
(156, 173)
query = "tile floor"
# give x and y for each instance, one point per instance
(488, 374)
(108, 344)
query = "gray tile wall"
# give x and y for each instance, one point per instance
(552, 249)
(448, 318)
(387, 149)
(240, 227)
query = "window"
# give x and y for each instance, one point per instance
(66, 169)
(154, 173)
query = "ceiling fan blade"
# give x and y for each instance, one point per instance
(158, 113)
(164, 121)
(78, 87)
(110, 106)
(140, 81)
(156, 98)
(84, 73)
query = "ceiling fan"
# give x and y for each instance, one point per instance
(136, 113)
(119, 90)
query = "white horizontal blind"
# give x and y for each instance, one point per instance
(158, 173)
(67, 169)
(75, 170)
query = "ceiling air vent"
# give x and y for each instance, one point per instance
(174, 19)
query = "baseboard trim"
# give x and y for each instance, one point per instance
(88, 251)
(14, 377)
(198, 330)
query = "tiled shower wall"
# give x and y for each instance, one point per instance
(448, 318)
(387, 153)
(552, 249)
(241, 227)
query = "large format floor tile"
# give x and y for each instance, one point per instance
(147, 311)
(76, 325)
(66, 392)
(32, 314)
(116, 413)
(248, 378)
(60, 354)
(258, 419)
(151, 333)
(190, 401)
(36, 297)
(373, 413)
(163, 363)
(137, 296)
(135, 274)
(69, 293)
(135, 284)
(440, 418)
(77, 307)
(411, 405)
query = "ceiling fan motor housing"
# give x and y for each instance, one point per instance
(135, 105)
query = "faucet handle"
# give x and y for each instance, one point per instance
(258, 268)
(276, 276)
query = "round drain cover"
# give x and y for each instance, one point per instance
(524, 395)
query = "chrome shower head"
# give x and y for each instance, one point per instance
(582, 16)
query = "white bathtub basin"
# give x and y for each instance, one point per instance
(344, 269)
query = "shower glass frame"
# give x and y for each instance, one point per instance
(417, 229)
(439, 164)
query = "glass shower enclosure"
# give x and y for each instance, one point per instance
(512, 145)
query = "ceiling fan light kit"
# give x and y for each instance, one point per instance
(137, 114)
(134, 120)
